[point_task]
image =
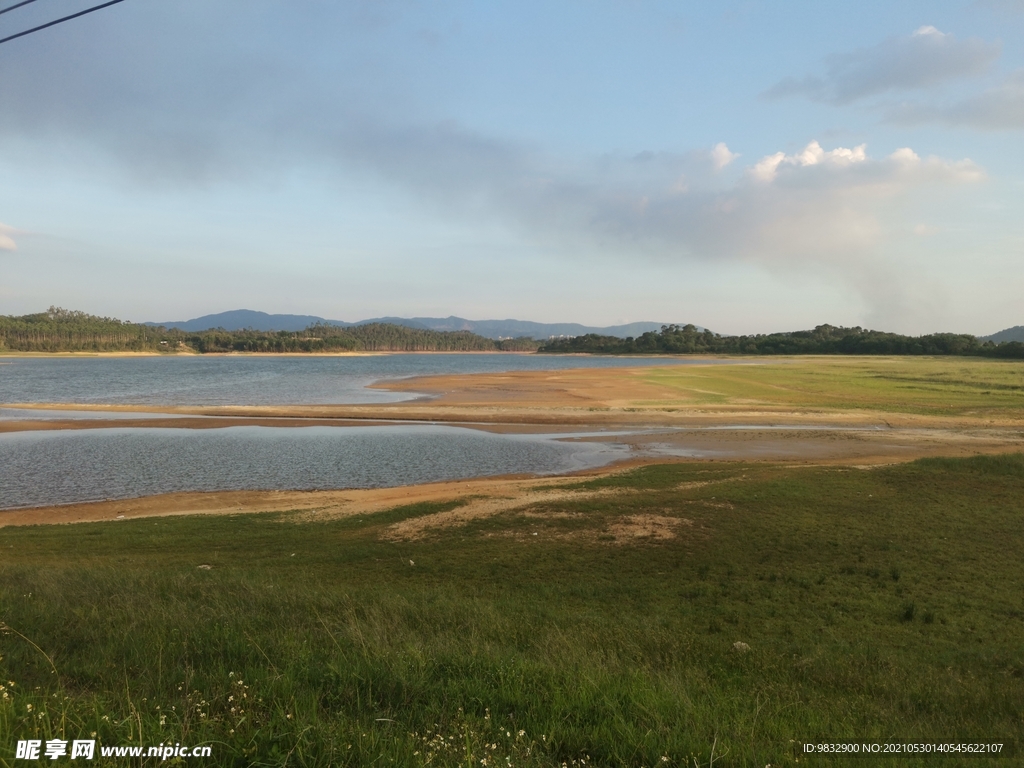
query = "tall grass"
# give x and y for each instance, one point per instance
(321, 643)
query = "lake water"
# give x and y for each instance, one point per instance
(202, 380)
(60, 467)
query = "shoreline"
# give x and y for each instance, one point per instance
(669, 414)
(508, 490)
(359, 353)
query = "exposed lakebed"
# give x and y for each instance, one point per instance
(118, 460)
(285, 380)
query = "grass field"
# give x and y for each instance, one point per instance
(927, 386)
(882, 603)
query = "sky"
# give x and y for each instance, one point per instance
(747, 166)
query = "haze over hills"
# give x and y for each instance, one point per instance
(1010, 334)
(241, 319)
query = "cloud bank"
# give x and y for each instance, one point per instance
(199, 108)
(6, 241)
(997, 109)
(922, 59)
(812, 209)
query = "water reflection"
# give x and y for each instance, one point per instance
(60, 467)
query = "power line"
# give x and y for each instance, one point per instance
(18, 5)
(58, 21)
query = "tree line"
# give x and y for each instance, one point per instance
(62, 330)
(823, 340)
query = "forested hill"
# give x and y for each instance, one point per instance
(61, 330)
(823, 340)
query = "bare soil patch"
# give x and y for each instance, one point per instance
(632, 528)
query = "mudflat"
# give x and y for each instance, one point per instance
(894, 391)
(854, 411)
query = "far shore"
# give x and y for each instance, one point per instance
(46, 355)
(361, 353)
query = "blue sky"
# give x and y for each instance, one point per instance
(747, 166)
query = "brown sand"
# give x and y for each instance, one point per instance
(341, 503)
(535, 399)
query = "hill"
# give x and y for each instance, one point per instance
(1010, 334)
(823, 340)
(247, 319)
(506, 329)
(61, 330)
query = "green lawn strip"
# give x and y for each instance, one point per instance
(883, 603)
(929, 386)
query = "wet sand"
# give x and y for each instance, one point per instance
(324, 503)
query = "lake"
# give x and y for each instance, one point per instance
(65, 466)
(231, 380)
(41, 468)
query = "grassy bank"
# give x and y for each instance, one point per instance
(881, 603)
(931, 386)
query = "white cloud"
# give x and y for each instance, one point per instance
(821, 210)
(6, 241)
(812, 154)
(997, 109)
(721, 156)
(925, 58)
(835, 210)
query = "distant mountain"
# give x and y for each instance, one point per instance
(494, 329)
(239, 319)
(1010, 334)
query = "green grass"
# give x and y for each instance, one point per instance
(914, 385)
(883, 603)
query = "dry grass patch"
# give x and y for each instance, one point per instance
(483, 508)
(634, 528)
(540, 503)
